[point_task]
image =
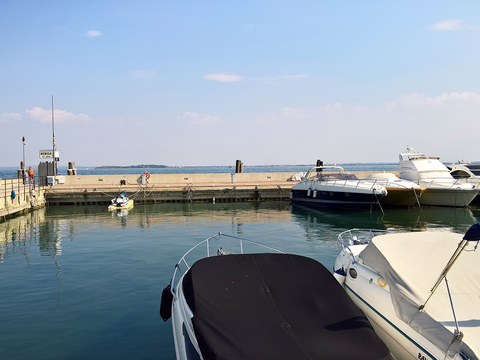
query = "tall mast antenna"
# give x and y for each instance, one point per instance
(53, 132)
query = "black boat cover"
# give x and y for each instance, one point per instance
(275, 306)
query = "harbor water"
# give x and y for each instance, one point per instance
(80, 282)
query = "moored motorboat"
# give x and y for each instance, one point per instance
(420, 290)
(400, 192)
(441, 189)
(263, 305)
(320, 188)
(474, 168)
(121, 202)
(463, 173)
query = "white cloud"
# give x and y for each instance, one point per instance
(200, 118)
(142, 75)
(293, 112)
(6, 118)
(224, 77)
(452, 24)
(265, 79)
(413, 100)
(60, 116)
(273, 79)
(93, 33)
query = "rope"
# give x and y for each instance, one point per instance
(418, 199)
(378, 202)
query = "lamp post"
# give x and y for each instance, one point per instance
(24, 167)
(53, 157)
(24, 143)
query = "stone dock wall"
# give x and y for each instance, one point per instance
(17, 196)
(222, 187)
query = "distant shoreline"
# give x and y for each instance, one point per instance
(145, 166)
(142, 166)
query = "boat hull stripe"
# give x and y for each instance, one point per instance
(390, 323)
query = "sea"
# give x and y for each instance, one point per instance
(80, 282)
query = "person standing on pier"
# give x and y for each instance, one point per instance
(31, 174)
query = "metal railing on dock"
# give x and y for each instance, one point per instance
(18, 195)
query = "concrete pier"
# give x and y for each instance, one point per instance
(215, 188)
(17, 196)
(224, 187)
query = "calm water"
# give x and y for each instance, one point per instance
(82, 283)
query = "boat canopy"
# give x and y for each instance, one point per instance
(411, 264)
(275, 306)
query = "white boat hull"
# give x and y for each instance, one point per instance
(371, 293)
(184, 338)
(400, 338)
(403, 342)
(448, 197)
(127, 206)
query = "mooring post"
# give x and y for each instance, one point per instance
(319, 163)
(238, 167)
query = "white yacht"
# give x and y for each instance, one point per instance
(420, 290)
(441, 188)
(322, 187)
(464, 173)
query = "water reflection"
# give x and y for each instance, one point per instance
(325, 225)
(20, 233)
(48, 227)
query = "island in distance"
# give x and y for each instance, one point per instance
(142, 166)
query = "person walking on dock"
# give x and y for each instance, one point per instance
(31, 174)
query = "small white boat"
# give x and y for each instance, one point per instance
(338, 189)
(263, 305)
(121, 202)
(401, 192)
(441, 189)
(463, 173)
(420, 290)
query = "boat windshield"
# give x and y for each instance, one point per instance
(328, 176)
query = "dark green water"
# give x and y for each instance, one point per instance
(83, 283)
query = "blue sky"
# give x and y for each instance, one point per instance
(266, 82)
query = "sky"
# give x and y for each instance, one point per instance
(198, 83)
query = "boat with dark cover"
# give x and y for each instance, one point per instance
(265, 306)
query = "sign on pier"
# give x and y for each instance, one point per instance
(47, 154)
